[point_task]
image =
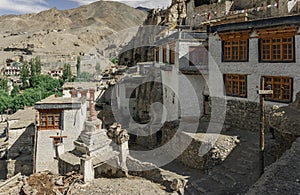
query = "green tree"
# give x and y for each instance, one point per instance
(32, 67)
(42, 87)
(98, 67)
(5, 101)
(38, 65)
(4, 84)
(35, 66)
(78, 64)
(15, 90)
(27, 98)
(45, 83)
(67, 73)
(24, 75)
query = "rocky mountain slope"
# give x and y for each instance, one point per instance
(60, 35)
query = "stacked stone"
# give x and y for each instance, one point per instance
(117, 134)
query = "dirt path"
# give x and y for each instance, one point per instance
(122, 186)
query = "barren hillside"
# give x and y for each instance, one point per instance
(60, 35)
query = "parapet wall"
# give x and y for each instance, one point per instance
(282, 177)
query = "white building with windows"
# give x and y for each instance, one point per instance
(253, 55)
(61, 120)
(248, 51)
(183, 58)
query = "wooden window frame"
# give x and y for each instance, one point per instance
(235, 85)
(172, 53)
(280, 45)
(282, 86)
(235, 46)
(58, 139)
(267, 40)
(202, 52)
(157, 54)
(165, 54)
(44, 117)
(235, 50)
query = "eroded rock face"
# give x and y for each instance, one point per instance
(117, 134)
(176, 11)
(286, 123)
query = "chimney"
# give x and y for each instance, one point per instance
(73, 93)
(83, 93)
(92, 94)
(92, 111)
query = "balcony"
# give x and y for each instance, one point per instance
(194, 69)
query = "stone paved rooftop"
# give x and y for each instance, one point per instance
(59, 100)
(83, 85)
(22, 118)
(53, 102)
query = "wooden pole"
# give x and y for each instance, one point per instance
(262, 130)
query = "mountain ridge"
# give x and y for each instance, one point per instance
(61, 35)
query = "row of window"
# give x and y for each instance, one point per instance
(236, 85)
(171, 59)
(273, 46)
(198, 55)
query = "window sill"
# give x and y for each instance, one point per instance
(279, 101)
(235, 61)
(273, 61)
(229, 95)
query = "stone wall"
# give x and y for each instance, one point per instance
(3, 168)
(285, 122)
(21, 149)
(282, 177)
(23, 142)
(243, 114)
(65, 167)
(25, 167)
(218, 147)
(109, 169)
(149, 93)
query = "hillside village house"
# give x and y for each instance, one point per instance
(183, 58)
(61, 120)
(12, 69)
(56, 73)
(246, 52)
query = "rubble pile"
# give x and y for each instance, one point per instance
(47, 183)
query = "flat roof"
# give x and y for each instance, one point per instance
(53, 102)
(24, 118)
(82, 85)
(257, 24)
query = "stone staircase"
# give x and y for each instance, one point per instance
(235, 175)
